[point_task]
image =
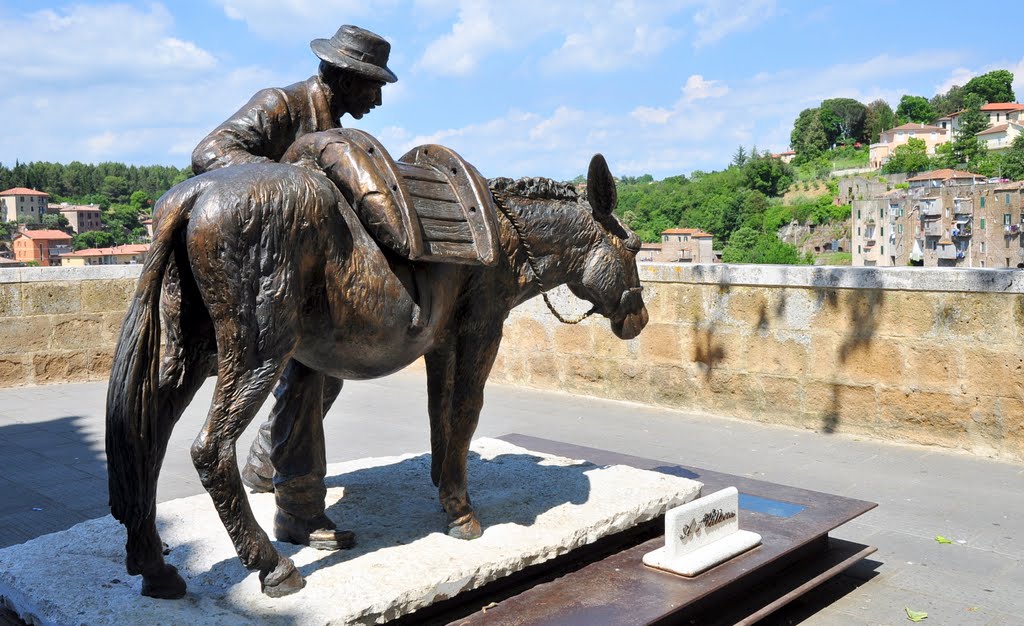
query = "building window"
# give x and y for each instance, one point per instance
(883, 249)
(1006, 219)
(983, 247)
(983, 221)
(983, 204)
(1007, 198)
(858, 213)
(858, 231)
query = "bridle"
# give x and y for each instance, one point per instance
(499, 201)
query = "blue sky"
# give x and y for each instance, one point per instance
(530, 87)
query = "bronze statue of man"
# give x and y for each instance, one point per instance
(353, 70)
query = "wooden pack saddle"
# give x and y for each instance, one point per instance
(445, 204)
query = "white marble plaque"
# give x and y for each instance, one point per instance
(702, 534)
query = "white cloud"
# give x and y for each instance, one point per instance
(696, 88)
(91, 44)
(961, 75)
(284, 20)
(718, 19)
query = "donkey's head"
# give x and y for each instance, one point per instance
(608, 276)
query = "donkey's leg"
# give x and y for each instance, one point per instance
(244, 381)
(189, 358)
(440, 382)
(258, 473)
(299, 460)
(473, 361)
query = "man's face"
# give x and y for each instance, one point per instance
(359, 96)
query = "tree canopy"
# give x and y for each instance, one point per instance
(995, 86)
(915, 109)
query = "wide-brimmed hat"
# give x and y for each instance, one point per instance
(357, 49)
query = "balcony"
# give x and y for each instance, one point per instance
(962, 231)
(1011, 230)
(963, 206)
(931, 228)
(947, 253)
(930, 209)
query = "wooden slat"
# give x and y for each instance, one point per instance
(438, 210)
(444, 230)
(418, 172)
(430, 190)
(453, 250)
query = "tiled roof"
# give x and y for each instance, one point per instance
(44, 234)
(23, 191)
(1002, 106)
(998, 128)
(78, 207)
(945, 174)
(696, 232)
(916, 126)
(132, 248)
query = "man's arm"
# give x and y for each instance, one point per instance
(248, 136)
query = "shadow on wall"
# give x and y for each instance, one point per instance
(52, 476)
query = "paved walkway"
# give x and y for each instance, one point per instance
(52, 476)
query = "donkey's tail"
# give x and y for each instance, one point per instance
(133, 433)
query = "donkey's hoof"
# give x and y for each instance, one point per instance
(466, 527)
(166, 585)
(318, 532)
(283, 581)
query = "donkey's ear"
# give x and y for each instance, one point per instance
(601, 186)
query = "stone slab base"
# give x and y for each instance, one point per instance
(533, 507)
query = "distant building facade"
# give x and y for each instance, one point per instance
(129, 254)
(889, 140)
(44, 247)
(82, 217)
(27, 206)
(680, 245)
(943, 220)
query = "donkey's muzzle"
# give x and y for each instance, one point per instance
(634, 314)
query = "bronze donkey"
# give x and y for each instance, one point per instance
(265, 264)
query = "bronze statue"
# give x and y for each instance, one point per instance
(353, 69)
(266, 264)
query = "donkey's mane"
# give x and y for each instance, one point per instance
(537, 188)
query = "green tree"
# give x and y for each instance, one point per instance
(768, 175)
(915, 109)
(739, 158)
(1013, 159)
(950, 102)
(92, 239)
(57, 221)
(115, 188)
(140, 201)
(808, 137)
(122, 222)
(966, 146)
(995, 86)
(911, 157)
(880, 117)
(741, 245)
(847, 119)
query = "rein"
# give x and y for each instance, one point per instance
(499, 201)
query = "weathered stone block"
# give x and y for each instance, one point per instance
(674, 385)
(980, 316)
(100, 296)
(15, 371)
(587, 375)
(77, 332)
(931, 365)
(543, 370)
(990, 371)
(750, 307)
(527, 334)
(66, 366)
(573, 339)
(905, 314)
(875, 360)
(835, 407)
(717, 348)
(770, 355)
(51, 298)
(924, 417)
(24, 334)
(661, 343)
(10, 300)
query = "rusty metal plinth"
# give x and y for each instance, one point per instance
(610, 585)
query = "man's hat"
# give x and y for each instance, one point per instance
(357, 49)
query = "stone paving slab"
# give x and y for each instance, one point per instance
(533, 507)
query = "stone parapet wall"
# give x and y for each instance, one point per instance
(920, 356)
(930, 356)
(60, 324)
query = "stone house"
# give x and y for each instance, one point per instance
(889, 140)
(129, 254)
(1000, 137)
(41, 246)
(680, 245)
(19, 204)
(950, 224)
(82, 217)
